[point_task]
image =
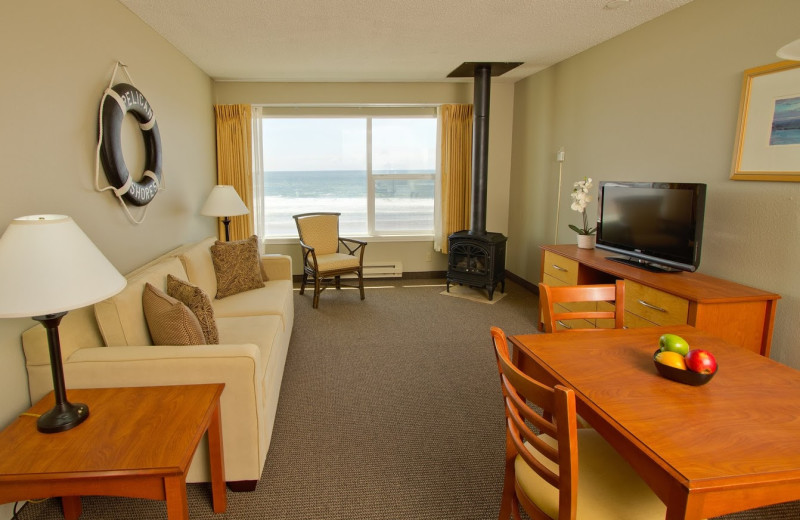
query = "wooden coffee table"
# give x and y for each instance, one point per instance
(136, 442)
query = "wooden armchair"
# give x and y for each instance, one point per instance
(322, 261)
(582, 306)
(543, 468)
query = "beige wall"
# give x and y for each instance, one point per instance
(57, 58)
(660, 103)
(416, 256)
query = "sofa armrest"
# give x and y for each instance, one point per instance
(238, 366)
(276, 267)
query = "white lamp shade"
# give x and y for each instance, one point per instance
(48, 265)
(790, 51)
(223, 201)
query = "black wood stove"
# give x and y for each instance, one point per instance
(477, 258)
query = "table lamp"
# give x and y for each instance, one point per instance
(223, 201)
(48, 266)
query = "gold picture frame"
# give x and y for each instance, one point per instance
(767, 144)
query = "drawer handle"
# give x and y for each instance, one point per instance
(651, 306)
(563, 324)
(559, 268)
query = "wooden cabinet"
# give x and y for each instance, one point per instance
(737, 313)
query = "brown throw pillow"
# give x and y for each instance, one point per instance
(170, 322)
(237, 266)
(198, 302)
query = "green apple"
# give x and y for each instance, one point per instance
(673, 343)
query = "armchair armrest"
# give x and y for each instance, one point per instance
(354, 246)
(307, 251)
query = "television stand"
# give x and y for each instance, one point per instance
(642, 264)
(738, 314)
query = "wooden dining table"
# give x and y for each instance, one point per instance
(729, 445)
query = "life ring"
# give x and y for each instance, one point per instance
(116, 102)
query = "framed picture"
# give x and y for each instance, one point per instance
(768, 132)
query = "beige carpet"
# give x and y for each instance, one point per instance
(390, 408)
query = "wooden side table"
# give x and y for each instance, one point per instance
(137, 442)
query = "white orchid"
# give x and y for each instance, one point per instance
(580, 199)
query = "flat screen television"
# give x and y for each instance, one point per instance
(657, 225)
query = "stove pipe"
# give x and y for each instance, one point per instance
(480, 147)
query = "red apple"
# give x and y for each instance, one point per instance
(700, 361)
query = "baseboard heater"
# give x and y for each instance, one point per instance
(381, 270)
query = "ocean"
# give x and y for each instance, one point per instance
(400, 205)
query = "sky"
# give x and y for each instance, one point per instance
(319, 144)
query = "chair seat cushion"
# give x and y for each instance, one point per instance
(608, 488)
(336, 261)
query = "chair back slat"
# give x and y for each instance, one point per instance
(529, 414)
(550, 296)
(547, 474)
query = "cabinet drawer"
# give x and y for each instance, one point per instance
(655, 306)
(561, 268)
(633, 321)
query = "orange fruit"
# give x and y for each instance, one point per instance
(672, 359)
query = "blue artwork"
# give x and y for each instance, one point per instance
(786, 122)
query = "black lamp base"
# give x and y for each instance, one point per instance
(227, 222)
(63, 417)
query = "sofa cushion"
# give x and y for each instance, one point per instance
(121, 318)
(199, 267)
(274, 298)
(237, 266)
(170, 321)
(263, 331)
(198, 302)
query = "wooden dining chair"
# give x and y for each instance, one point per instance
(326, 255)
(555, 470)
(574, 306)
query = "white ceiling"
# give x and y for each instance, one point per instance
(385, 40)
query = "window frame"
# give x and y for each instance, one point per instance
(368, 113)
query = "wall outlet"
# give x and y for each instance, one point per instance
(429, 256)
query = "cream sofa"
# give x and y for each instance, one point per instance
(109, 345)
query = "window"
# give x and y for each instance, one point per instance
(377, 171)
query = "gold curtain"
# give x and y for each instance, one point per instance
(235, 162)
(456, 155)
